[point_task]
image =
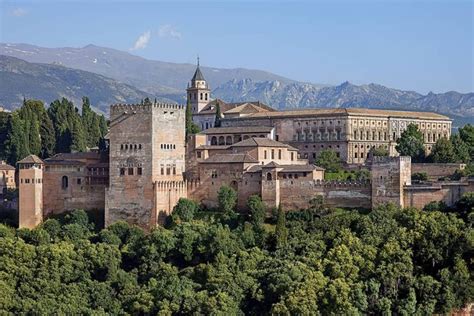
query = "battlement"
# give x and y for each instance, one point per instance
(389, 159)
(142, 108)
(326, 184)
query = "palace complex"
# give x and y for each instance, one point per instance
(255, 149)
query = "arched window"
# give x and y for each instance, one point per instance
(207, 125)
(221, 140)
(269, 176)
(228, 140)
(214, 140)
(64, 182)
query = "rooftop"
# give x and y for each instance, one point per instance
(286, 168)
(349, 112)
(31, 159)
(231, 158)
(210, 108)
(261, 142)
(238, 129)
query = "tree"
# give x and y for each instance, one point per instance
(48, 139)
(419, 176)
(467, 135)
(184, 210)
(78, 139)
(379, 152)
(411, 144)
(257, 210)
(443, 151)
(16, 144)
(461, 149)
(217, 121)
(328, 160)
(191, 127)
(227, 199)
(281, 231)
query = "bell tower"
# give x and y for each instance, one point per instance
(198, 93)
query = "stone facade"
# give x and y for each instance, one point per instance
(147, 145)
(351, 133)
(30, 192)
(437, 171)
(7, 177)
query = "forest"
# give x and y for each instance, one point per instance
(60, 128)
(320, 260)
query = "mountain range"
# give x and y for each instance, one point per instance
(108, 75)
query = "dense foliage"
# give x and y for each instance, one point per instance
(318, 261)
(33, 129)
(411, 143)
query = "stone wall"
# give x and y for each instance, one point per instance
(435, 171)
(448, 192)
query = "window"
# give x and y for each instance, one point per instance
(200, 96)
(264, 154)
(273, 154)
(269, 176)
(122, 171)
(162, 170)
(174, 169)
(279, 153)
(79, 180)
(292, 156)
(198, 154)
(121, 146)
(64, 182)
(168, 170)
(130, 171)
(139, 171)
(355, 155)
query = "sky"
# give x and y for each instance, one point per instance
(411, 45)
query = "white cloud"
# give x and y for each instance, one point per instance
(142, 41)
(168, 30)
(19, 12)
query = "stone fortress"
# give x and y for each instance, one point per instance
(255, 150)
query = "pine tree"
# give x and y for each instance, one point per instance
(443, 151)
(461, 149)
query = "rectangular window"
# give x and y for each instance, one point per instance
(355, 155)
(199, 154)
(273, 154)
(174, 169)
(79, 181)
(279, 153)
(130, 171)
(264, 154)
(122, 171)
(168, 170)
(292, 156)
(361, 155)
(162, 170)
(139, 171)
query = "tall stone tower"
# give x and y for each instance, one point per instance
(30, 192)
(389, 176)
(147, 146)
(198, 92)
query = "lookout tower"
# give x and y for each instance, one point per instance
(198, 93)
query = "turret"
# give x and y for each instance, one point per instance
(30, 191)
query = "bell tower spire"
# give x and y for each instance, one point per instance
(198, 92)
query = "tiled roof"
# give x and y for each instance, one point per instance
(51, 161)
(223, 147)
(231, 158)
(198, 75)
(238, 129)
(210, 108)
(286, 168)
(31, 159)
(261, 142)
(347, 112)
(78, 155)
(4, 166)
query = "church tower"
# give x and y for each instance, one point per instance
(198, 92)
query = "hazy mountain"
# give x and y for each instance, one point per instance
(153, 76)
(19, 79)
(169, 80)
(294, 95)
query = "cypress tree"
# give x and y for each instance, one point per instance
(281, 232)
(16, 145)
(217, 122)
(191, 127)
(48, 137)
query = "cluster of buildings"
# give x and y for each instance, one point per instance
(255, 150)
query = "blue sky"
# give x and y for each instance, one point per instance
(412, 45)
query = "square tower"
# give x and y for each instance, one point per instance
(147, 145)
(30, 192)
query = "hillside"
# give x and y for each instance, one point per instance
(20, 79)
(302, 95)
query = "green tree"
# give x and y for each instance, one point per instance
(184, 210)
(379, 152)
(191, 127)
(461, 149)
(227, 199)
(48, 138)
(16, 144)
(328, 160)
(443, 151)
(217, 121)
(411, 144)
(467, 135)
(281, 231)
(257, 210)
